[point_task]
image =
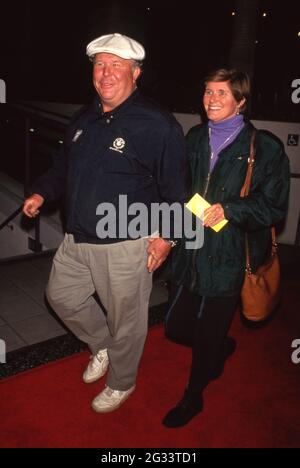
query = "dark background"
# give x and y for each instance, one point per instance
(42, 47)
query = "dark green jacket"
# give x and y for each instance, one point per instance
(218, 268)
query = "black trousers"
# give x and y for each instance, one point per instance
(202, 323)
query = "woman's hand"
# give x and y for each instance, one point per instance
(213, 215)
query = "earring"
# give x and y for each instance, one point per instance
(237, 111)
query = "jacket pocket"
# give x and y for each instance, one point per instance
(122, 162)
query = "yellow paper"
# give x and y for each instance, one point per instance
(197, 205)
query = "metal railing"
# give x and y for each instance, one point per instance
(11, 217)
(24, 127)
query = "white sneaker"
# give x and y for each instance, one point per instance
(97, 367)
(109, 400)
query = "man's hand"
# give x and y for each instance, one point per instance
(213, 215)
(32, 205)
(158, 251)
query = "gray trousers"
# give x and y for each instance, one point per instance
(118, 274)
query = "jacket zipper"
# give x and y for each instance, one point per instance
(193, 282)
(206, 185)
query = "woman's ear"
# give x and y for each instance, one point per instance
(240, 104)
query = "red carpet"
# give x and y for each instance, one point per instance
(256, 403)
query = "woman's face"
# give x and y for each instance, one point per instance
(219, 101)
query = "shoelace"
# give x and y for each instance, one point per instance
(94, 364)
(109, 392)
(100, 358)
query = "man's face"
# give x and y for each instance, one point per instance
(114, 79)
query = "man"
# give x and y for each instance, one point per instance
(123, 144)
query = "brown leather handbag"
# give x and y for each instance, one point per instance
(260, 293)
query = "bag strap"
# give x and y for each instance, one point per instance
(245, 192)
(246, 187)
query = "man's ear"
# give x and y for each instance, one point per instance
(136, 73)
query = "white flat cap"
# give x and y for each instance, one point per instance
(116, 44)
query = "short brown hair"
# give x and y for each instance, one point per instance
(239, 83)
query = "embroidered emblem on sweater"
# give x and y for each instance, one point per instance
(118, 145)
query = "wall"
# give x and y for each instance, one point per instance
(51, 230)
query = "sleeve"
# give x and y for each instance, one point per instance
(172, 174)
(52, 184)
(267, 202)
(172, 170)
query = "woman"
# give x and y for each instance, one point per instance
(208, 281)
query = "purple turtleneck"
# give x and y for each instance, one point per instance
(222, 134)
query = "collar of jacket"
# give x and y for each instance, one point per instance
(241, 142)
(96, 106)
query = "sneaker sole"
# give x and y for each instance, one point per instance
(111, 409)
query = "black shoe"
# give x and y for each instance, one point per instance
(229, 349)
(184, 411)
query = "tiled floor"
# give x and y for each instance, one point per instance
(25, 318)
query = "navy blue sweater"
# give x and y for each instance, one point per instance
(137, 150)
